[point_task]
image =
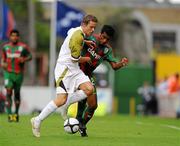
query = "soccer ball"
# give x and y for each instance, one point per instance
(71, 125)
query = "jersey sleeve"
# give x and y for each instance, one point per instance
(26, 52)
(3, 54)
(76, 44)
(109, 57)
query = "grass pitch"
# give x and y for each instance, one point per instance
(115, 130)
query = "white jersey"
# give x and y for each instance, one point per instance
(65, 54)
(68, 74)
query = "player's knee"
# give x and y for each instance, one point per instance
(60, 100)
(89, 90)
(17, 96)
(9, 92)
(93, 106)
(91, 109)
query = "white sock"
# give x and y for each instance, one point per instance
(49, 108)
(72, 98)
(76, 96)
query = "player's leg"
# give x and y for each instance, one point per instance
(17, 102)
(17, 96)
(8, 104)
(90, 109)
(86, 111)
(9, 89)
(61, 97)
(49, 108)
(85, 89)
(91, 104)
(66, 82)
(88, 88)
(82, 104)
(72, 98)
(80, 110)
(88, 114)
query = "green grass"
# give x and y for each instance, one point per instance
(116, 130)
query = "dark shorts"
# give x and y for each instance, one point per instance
(13, 80)
(92, 79)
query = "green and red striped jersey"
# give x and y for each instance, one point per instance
(11, 54)
(98, 55)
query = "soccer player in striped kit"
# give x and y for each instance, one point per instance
(13, 57)
(101, 51)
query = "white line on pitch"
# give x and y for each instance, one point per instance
(168, 126)
(172, 126)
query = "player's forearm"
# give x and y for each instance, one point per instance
(28, 58)
(84, 59)
(3, 64)
(118, 65)
(123, 62)
(25, 59)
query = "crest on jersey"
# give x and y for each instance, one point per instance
(20, 48)
(106, 50)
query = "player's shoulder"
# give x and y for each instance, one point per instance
(78, 34)
(5, 44)
(108, 46)
(22, 44)
(94, 37)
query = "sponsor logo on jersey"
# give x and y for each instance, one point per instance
(13, 55)
(93, 53)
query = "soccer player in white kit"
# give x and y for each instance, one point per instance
(70, 80)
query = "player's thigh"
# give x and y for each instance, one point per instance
(92, 101)
(8, 80)
(60, 99)
(18, 80)
(66, 79)
(61, 73)
(87, 87)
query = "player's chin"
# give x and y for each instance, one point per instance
(89, 34)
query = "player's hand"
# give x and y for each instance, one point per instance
(91, 44)
(85, 59)
(4, 65)
(21, 59)
(124, 61)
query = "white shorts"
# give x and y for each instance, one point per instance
(68, 79)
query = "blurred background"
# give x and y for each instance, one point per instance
(147, 33)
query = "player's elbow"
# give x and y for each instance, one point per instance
(75, 59)
(114, 67)
(30, 57)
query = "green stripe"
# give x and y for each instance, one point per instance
(13, 60)
(61, 77)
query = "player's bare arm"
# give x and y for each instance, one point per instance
(84, 59)
(3, 64)
(25, 59)
(117, 65)
(90, 43)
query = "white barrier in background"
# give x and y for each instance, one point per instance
(36, 98)
(168, 105)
